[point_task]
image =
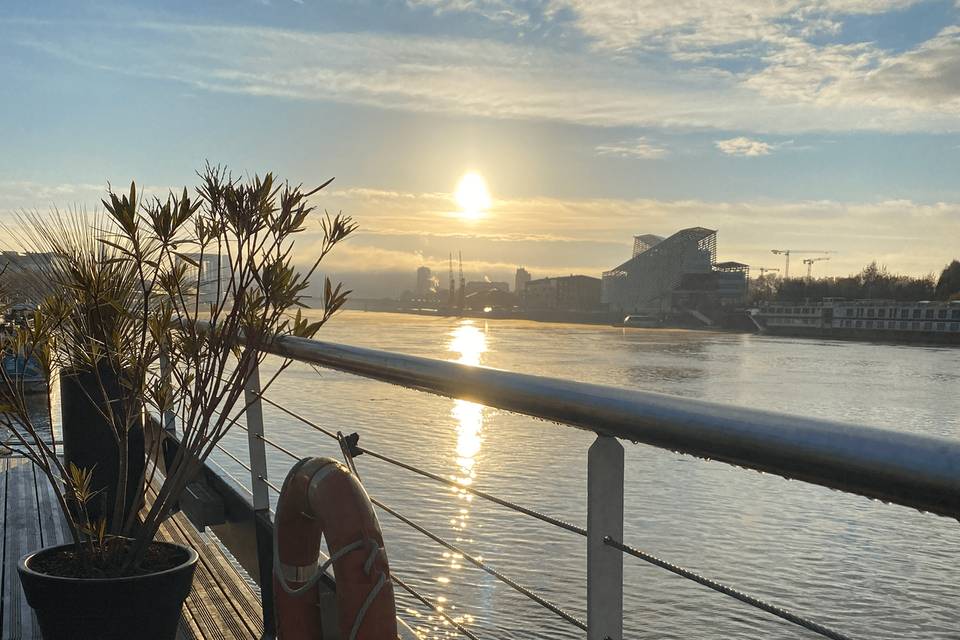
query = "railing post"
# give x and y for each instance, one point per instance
(604, 518)
(261, 496)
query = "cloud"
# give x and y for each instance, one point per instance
(637, 149)
(742, 146)
(686, 27)
(554, 236)
(796, 86)
(861, 75)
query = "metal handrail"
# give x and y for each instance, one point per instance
(912, 470)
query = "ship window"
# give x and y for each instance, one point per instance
(942, 313)
(850, 313)
(846, 323)
(955, 313)
(929, 314)
(939, 326)
(927, 326)
(916, 313)
(903, 325)
(881, 313)
(859, 323)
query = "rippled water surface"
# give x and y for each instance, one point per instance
(874, 571)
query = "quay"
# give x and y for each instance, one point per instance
(922, 472)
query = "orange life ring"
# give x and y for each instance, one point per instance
(321, 497)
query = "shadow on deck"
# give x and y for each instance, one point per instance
(221, 605)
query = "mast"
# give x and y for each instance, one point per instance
(460, 295)
(452, 297)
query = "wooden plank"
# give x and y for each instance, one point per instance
(23, 536)
(238, 592)
(53, 525)
(216, 606)
(221, 605)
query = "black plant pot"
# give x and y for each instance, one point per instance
(146, 607)
(88, 441)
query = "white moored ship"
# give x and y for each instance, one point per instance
(922, 321)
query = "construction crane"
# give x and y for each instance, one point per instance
(453, 285)
(786, 253)
(809, 262)
(764, 270)
(460, 297)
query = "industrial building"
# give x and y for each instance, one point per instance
(568, 293)
(520, 280)
(476, 286)
(674, 275)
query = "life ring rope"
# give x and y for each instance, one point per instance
(319, 569)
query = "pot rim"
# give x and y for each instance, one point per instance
(192, 557)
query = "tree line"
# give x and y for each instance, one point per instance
(873, 282)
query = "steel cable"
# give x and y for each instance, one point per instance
(413, 592)
(482, 565)
(426, 474)
(675, 569)
(730, 591)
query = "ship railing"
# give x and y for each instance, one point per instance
(912, 470)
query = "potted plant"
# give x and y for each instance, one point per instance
(201, 283)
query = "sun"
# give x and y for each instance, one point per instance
(472, 196)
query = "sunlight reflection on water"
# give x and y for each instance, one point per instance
(469, 343)
(873, 570)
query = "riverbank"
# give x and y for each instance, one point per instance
(734, 322)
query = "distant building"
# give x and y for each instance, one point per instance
(733, 279)
(476, 286)
(521, 280)
(208, 276)
(568, 293)
(424, 281)
(643, 242)
(647, 281)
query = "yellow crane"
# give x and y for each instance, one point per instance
(786, 253)
(809, 262)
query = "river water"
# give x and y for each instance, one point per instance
(871, 570)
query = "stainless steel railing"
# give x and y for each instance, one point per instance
(911, 470)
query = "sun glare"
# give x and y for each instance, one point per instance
(472, 196)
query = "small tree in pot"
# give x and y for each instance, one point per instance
(131, 290)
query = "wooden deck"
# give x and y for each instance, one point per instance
(221, 606)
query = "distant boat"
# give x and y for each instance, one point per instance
(640, 321)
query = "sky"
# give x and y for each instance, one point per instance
(826, 125)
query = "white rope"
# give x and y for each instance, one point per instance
(366, 605)
(375, 549)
